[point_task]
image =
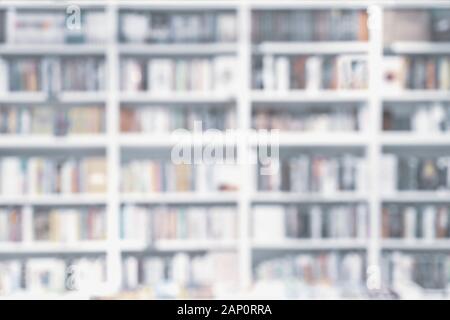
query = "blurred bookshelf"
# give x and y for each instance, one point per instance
(359, 91)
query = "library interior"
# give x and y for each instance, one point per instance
(353, 201)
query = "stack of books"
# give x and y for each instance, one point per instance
(428, 222)
(177, 27)
(188, 223)
(411, 172)
(166, 75)
(420, 118)
(37, 175)
(276, 222)
(317, 173)
(183, 276)
(310, 73)
(164, 119)
(309, 25)
(51, 120)
(311, 119)
(69, 225)
(150, 176)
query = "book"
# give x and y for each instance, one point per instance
(10, 224)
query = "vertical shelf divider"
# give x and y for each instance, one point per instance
(374, 148)
(243, 146)
(114, 273)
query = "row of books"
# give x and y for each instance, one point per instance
(417, 270)
(51, 275)
(165, 75)
(10, 224)
(416, 25)
(416, 72)
(39, 27)
(332, 269)
(410, 172)
(177, 27)
(52, 120)
(282, 73)
(183, 276)
(276, 222)
(38, 175)
(309, 25)
(420, 118)
(69, 225)
(52, 75)
(314, 119)
(317, 173)
(149, 224)
(153, 175)
(411, 222)
(163, 119)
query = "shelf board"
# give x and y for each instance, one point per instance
(53, 49)
(408, 95)
(328, 47)
(177, 97)
(181, 198)
(23, 97)
(54, 200)
(304, 96)
(313, 139)
(148, 140)
(291, 197)
(416, 244)
(178, 245)
(418, 48)
(309, 244)
(53, 142)
(178, 49)
(415, 139)
(60, 98)
(46, 248)
(417, 197)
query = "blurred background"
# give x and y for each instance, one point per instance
(357, 200)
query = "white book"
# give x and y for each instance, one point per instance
(4, 75)
(268, 72)
(393, 72)
(225, 81)
(153, 271)
(313, 73)
(269, 223)
(316, 222)
(388, 180)
(45, 274)
(362, 220)
(160, 73)
(429, 223)
(131, 272)
(11, 176)
(410, 222)
(226, 27)
(282, 74)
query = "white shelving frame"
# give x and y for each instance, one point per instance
(113, 142)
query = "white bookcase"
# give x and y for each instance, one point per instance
(370, 142)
